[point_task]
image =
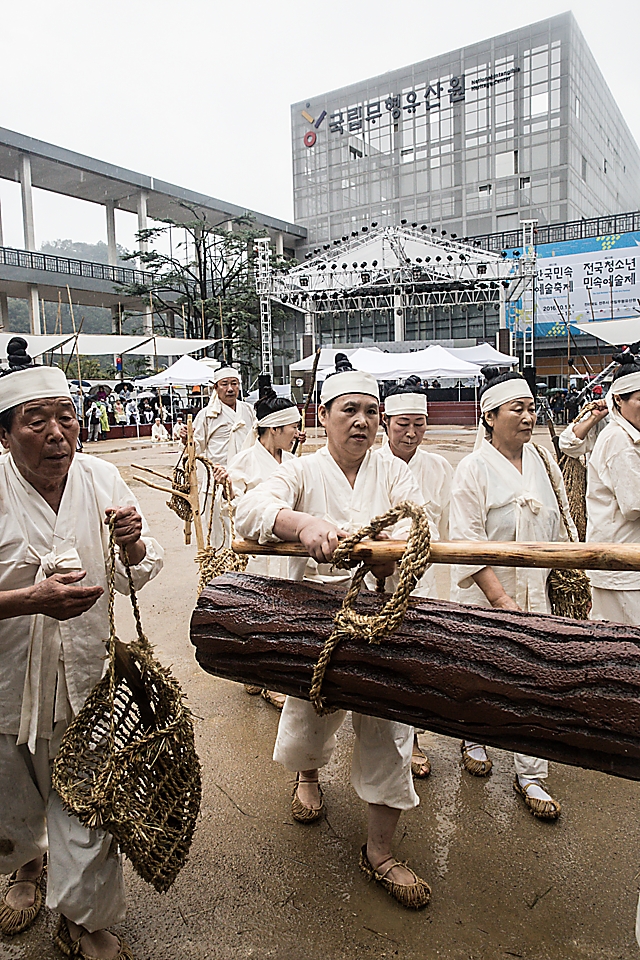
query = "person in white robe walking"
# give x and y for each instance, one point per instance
(502, 492)
(317, 500)
(54, 509)
(267, 446)
(405, 422)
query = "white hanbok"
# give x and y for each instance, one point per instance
(247, 470)
(434, 476)
(573, 446)
(381, 765)
(219, 431)
(613, 510)
(492, 500)
(49, 667)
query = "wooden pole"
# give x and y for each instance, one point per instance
(565, 556)
(312, 390)
(73, 321)
(194, 494)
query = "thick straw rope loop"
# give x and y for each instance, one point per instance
(212, 562)
(574, 474)
(375, 627)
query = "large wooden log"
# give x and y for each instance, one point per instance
(554, 688)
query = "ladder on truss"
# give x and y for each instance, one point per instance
(528, 293)
(263, 289)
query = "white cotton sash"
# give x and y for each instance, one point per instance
(38, 697)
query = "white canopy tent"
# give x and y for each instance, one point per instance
(93, 345)
(185, 372)
(431, 363)
(617, 332)
(483, 354)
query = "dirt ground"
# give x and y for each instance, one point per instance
(258, 885)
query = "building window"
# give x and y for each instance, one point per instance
(577, 108)
(584, 169)
(506, 164)
(355, 153)
(539, 103)
(525, 183)
(604, 166)
(485, 188)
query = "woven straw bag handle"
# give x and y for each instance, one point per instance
(542, 453)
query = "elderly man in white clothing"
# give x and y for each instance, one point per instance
(502, 491)
(613, 500)
(405, 422)
(54, 509)
(220, 430)
(316, 500)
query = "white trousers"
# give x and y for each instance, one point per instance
(84, 868)
(532, 767)
(620, 606)
(381, 763)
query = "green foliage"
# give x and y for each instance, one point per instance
(76, 250)
(208, 282)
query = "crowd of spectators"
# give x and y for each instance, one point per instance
(101, 409)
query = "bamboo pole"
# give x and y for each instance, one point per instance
(73, 321)
(194, 494)
(565, 556)
(310, 394)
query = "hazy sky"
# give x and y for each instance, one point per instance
(198, 93)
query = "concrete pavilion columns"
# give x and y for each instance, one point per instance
(29, 237)
(4, 303)
(143, 246)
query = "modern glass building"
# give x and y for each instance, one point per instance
(520, 126)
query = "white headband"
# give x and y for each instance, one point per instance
(627, 384)
(399, 403)
(34, 383)
(504, 392)
(351, 381)
(280, 418)
(226, 372)
(494, 397)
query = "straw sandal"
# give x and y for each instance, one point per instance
(275, 699)
(253, 689)
(14, 921)
(477, 768)
(300, 811)
(72, 948)
(420, 763)
(543, 809)
(413, 896)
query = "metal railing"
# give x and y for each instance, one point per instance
(31, 260)
(557, 232)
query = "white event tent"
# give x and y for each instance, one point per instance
(483, 354)
(185, 372)
(618, 332)
(93, 345)
(431, 363)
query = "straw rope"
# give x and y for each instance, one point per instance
(127, 763)
(212, 562)
(574, 474)
(569, 590)
(374, 627)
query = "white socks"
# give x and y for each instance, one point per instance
(476, 751)
(535, 791)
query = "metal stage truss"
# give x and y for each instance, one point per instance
(398, 269)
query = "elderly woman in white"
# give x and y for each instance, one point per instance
(405, 422)
(317, 500)
(502, 492)
(54, 507)
(267, 446)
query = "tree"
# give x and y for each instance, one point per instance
(208, 279)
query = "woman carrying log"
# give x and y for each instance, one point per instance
(502, 491)
(317, 500)
(613, 493)
(405, 423)
(613, 499)
(267, 446)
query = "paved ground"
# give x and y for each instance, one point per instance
(257, 885)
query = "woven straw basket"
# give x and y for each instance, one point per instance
(127, 763)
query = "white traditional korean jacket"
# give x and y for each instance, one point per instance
(50, 665)
(247, 470)
(219, 431)
(316, 485)
(434, 476)
(613, 498)
(492, 500)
